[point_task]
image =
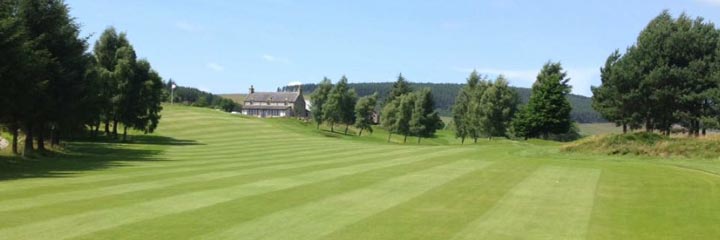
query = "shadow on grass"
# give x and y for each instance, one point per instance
(141, 139)
(86, 156)
(162, 140)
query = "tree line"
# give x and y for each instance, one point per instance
(410, 113)
(53, 88)
(486, 108)
(669, 76)
(445, 94)
(405, 112)
(198, 98)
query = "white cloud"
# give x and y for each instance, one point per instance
(710, 2)
(580, 78)
(295, 83)
(271, 58)
(187, 27)
(215, 67)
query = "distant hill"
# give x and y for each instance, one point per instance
(236, 97)
(444, 94)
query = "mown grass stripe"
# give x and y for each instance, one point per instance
(46, 212)
(320, 218)
(553, 203)
(200, 175)
(446, 209)
(90, 182)
(79, 224)
(224, 215)
(264, 157)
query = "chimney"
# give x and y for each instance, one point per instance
(299, 89)
(252, 89)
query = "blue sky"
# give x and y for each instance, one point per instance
(225, 46)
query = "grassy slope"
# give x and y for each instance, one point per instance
(236, 97)
(212, 175)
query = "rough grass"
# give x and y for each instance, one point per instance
(589, 129)
(648, 144)
(211, 175)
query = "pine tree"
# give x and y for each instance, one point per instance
(425, 120)
(399, 88)
(13, 63)
(548, 108)
(319, 98)
(607, 99)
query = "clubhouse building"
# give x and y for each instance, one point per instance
(274, 104)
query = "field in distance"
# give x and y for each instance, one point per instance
(212, 175)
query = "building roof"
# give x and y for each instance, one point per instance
(272, 97)
(264, 107)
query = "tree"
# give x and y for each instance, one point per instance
(498, 105)
(405, 114)
(522, 125)
(58, 65)
(13, 93)
(334, 110)
(349, 100)
(607, 98)
(459, 111)
(389, 117)
(473, 120)
(424, 120)
(319, 98)
(106, 55)
(669, 76)
(548, 108)
(399, 88)
(364, 110)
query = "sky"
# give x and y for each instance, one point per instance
(226, 46)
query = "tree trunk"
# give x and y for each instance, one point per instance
(28, 148)
(97, 130)
(405, 139)
(419, 139)
(332, 127)
(462, 141)
(624, 128)
(346, 128)
(389, 136)
(40, 138)
(52, 137)
(318, 126)
(115, 132)
(704, 131)
(107, 127)
(15, 132)
(124, 133)
(360, 133)
(475, 139)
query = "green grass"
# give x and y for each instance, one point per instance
(211, 175)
